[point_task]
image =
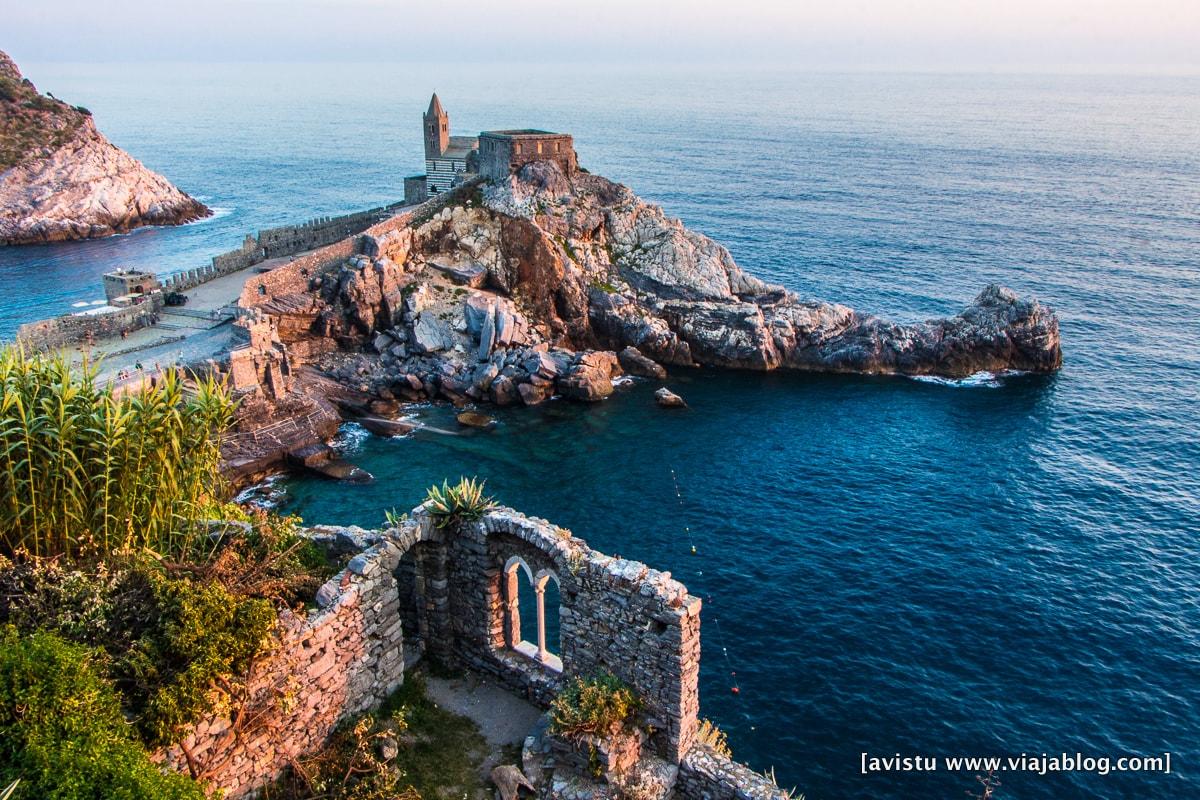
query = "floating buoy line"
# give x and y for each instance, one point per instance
(733, 682)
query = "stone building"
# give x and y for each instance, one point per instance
(449, 160)
(124, 287)
(502, 153)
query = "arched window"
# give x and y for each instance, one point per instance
(544, 619)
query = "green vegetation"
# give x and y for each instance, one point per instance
(166, 641)
(436, 755)
(85, 472)
(604, 286)
(140, 611)
(596, 706)
(62, 734)
(463, 502)
(31, 123)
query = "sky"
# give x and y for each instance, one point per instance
(1083, 35)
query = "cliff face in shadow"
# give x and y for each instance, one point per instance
(61, 179)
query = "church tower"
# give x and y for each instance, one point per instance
(437, 129)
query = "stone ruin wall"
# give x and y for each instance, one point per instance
(423, 591)
(342, 659)
(615, 616)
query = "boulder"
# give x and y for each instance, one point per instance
(590, 378)
(509, 780)
(668, 399)
(634, 363)
(473, 419)
(469, 274)
(431, 335)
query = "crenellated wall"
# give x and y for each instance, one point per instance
(282, 241)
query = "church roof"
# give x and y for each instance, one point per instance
(435, 107)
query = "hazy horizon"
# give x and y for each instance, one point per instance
(917, 35)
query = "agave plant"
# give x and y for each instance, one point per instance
(84, 470)
(462, 502)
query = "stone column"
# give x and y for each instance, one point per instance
(512, 610)
(541, 617)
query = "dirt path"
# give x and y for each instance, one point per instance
(503, 718)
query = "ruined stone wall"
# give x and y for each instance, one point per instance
(57, 332)
(615, 616)
(447, 586)
(705, 774)
(342, 659)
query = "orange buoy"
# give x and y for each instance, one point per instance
(735, 690)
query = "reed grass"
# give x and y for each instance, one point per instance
(87, 473)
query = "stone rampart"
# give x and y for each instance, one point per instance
(285, 240)
(58, 332)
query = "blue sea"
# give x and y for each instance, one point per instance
(995, 567)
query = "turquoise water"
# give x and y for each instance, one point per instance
(891, 566)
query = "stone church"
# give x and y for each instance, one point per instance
(450, 160)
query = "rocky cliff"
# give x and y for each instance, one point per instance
(553, 285)
(61, 179)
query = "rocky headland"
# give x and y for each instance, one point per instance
(61, 179)
(511, 292)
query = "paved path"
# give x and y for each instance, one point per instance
(193, 333)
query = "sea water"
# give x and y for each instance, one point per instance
(1002, 566)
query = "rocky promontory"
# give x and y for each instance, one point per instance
(61, 179)
(547, 284)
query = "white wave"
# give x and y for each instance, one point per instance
(217, 213)
(625, 380)
(350, 438)
(265, 495)
(984, 378)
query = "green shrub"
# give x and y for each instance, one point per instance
(595, 706)
(200, 634)
(168, 641)
(463, 502)
(61, 729)
(84, 472)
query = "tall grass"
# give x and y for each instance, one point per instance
(84, 472)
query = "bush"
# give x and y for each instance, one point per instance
(168, 642)
(596, 706)
(200, 635)
(61, 729)
(84, 472)
(463, 502)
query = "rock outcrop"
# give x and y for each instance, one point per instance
(62, 179)
(517, 292)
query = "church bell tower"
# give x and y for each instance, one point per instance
(437, 128)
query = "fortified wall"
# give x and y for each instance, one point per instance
(450, 593)
(58, 332)
(283, 241)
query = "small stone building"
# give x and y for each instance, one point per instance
(501, 153)
(123, 287)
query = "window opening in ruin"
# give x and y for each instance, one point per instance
(532, 613)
